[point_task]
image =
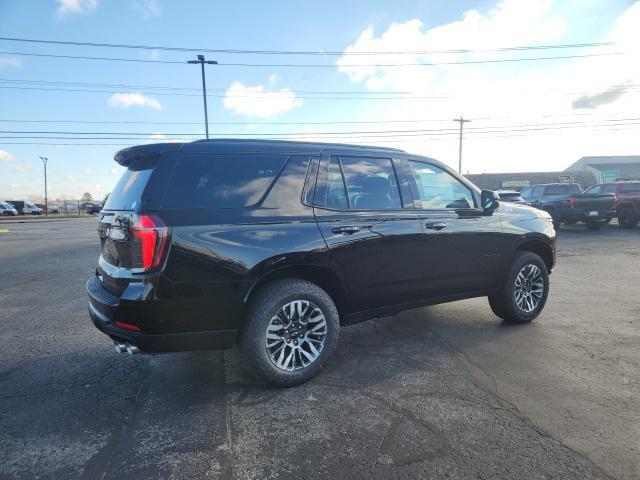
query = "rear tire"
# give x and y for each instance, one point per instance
(628, 217)
(524, 292)
(291, 330)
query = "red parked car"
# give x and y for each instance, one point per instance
(627, 200)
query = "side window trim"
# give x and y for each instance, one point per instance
(416, 195)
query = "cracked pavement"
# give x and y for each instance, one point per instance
(440, 392)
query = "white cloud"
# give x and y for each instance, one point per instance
(148, 8)
(88, 172)
(70, 178)
(21, 168)
(7, 61)
(5, 156)
(258, 102)
(66, 7)
(273, 79)
(501, 96)
(126, 100)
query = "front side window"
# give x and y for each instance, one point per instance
(537, 192)
(438, 189)
(221, 181)
(527, 192)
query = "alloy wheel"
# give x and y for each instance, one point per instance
(529, 288)
(296, 335)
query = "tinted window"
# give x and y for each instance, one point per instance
(557, 190)
(537, 192)
(330, 191)
(594, 189)
(221, 181)
(127, 192)
(509, 196)
(526, 193)
(437, 189)
(631, 187)
(575, 188)
(371, 183)
(608, 189)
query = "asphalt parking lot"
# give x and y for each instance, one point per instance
(440, 392)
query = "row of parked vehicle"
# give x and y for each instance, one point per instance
(568, 204)
(19, 207)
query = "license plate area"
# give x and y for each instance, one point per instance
(593, 213)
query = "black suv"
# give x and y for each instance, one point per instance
(273, 245)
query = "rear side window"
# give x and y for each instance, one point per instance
(359, 183)
(630, 187)
(221, 181)
(594, 189)
(608, 189)
(371, 183)
(127, 193)
(557, 190)
(575, 188)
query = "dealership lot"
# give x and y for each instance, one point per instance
(444, 390)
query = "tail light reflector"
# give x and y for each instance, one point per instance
(571, 202)
(150, 241)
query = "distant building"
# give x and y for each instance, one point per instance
(520, 180)
(624, 167)
(586, 171)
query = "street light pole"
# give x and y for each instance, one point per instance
(461, 121)
(202, 61)
(46, 203)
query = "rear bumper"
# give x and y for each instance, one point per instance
(582, 216)
(105, 308)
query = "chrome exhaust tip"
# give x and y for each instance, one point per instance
(119, 346)
(132, 349)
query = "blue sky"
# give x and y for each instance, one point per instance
(495, 95)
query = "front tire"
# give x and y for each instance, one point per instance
(291, 330)
(524, 292)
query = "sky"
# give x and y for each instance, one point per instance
(377, 72)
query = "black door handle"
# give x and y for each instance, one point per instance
(346, 229)
(435, 225)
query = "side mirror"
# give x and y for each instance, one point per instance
(489, 201)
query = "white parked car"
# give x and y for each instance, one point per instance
(6, 209)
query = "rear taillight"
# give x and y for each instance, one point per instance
(571, 202)
(149, 242)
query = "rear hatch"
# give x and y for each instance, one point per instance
(134, 239)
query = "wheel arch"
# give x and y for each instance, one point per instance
(541, 248)
(626, 205)
(322, 276)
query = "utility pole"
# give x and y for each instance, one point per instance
(46, 203)
(202, 61)
(461, 121)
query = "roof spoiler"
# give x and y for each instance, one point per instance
(144, 156)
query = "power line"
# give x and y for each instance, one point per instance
(256, 96)
(302, 136)
(317, 65)
(452, 130)
(305, 52)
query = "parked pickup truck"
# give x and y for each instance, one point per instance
(552, 198)
(594, 209)
(627, 200)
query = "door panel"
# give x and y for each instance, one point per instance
(461, 246)
(378, 253)
(374, 242)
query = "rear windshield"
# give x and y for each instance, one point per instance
(128, 191)
(221, 181)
